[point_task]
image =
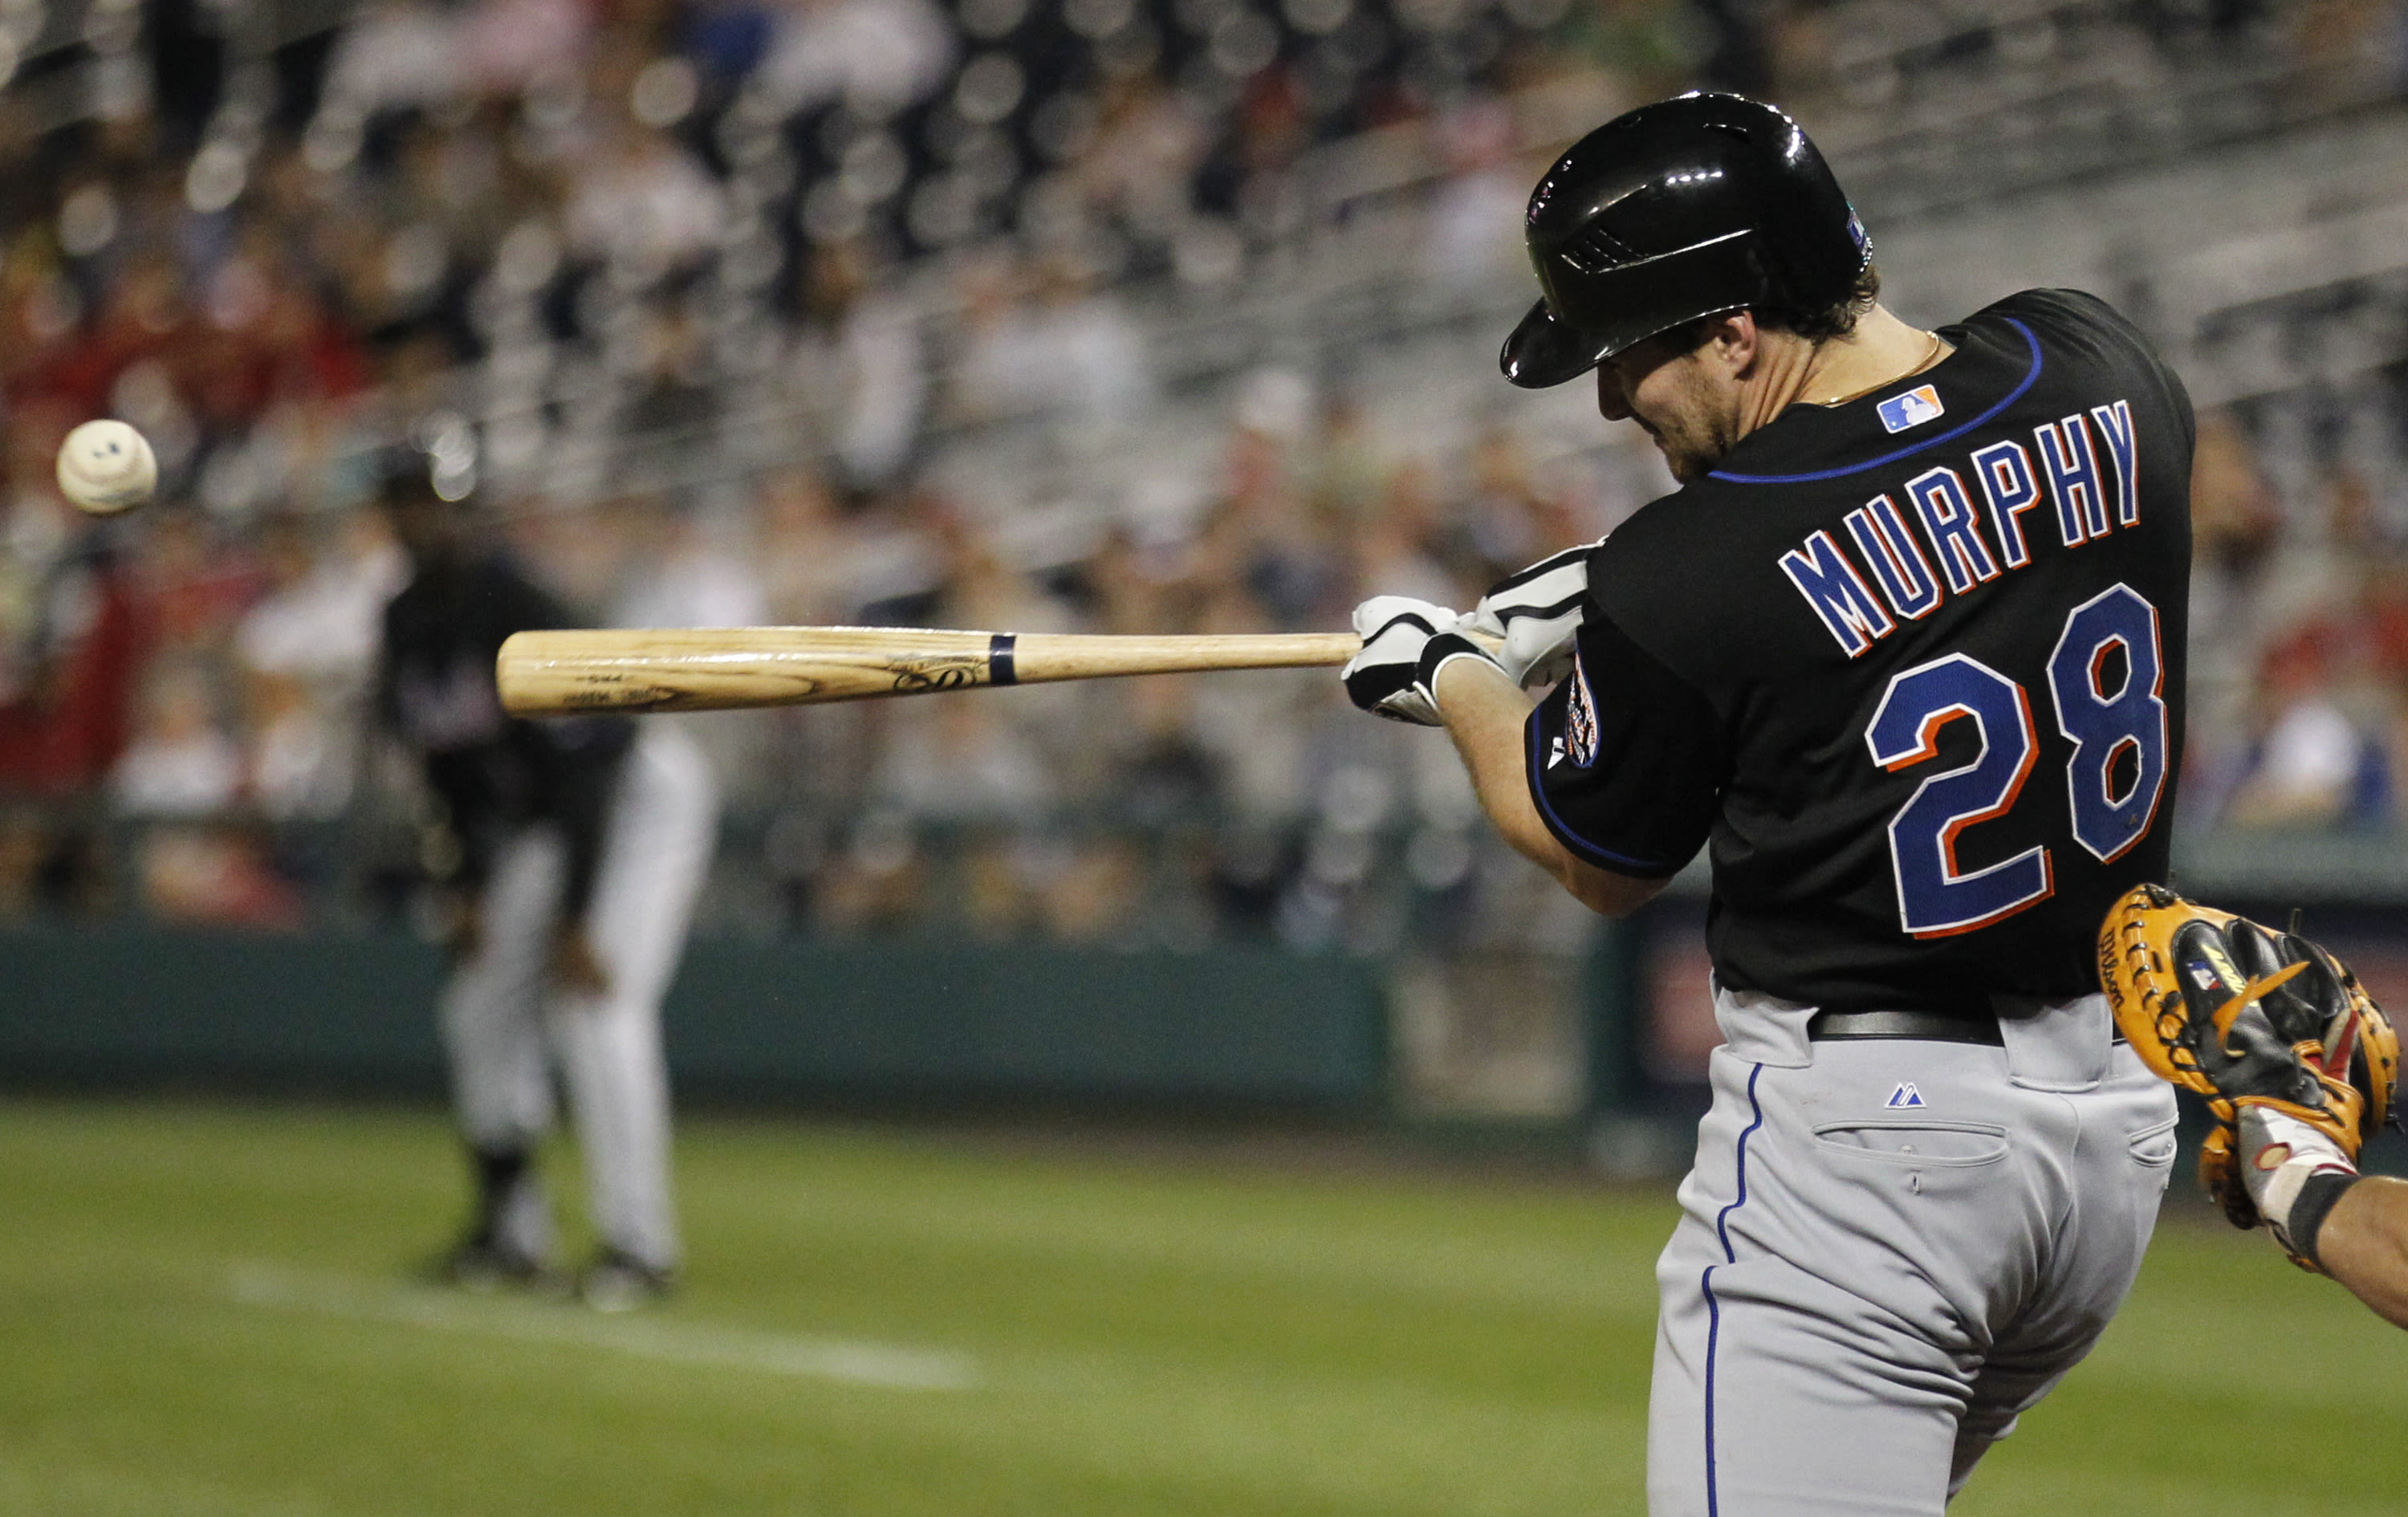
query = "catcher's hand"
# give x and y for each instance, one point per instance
(2273, 1031)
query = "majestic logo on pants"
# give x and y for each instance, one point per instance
(1905, 1096)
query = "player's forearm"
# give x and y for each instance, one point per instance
(1484, 714)
(2364, 1244)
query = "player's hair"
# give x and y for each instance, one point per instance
(1820, 323)
(1836, 320)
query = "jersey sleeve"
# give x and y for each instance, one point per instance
(1625, 759)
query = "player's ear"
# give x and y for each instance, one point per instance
(1732, 340)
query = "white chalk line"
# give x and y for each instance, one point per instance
(675, 1343)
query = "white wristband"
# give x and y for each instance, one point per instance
(2278, 1153)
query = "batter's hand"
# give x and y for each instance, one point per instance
(1536, 612)
(575, 966)
(1405, 643)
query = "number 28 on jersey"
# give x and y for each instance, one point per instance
(2105, 687)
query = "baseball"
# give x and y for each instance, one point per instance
(105, 467)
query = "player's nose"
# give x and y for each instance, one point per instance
(1611, 402)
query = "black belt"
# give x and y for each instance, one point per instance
(1932, 1027)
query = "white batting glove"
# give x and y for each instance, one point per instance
(1536, 613)
(1405, 643)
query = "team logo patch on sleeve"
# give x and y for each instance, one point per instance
(1910, 409)
(1580, 718)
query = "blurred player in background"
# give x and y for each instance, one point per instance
(573, 854)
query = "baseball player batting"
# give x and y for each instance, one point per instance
(579, 848)
(1905, 652)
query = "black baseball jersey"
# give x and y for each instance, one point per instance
(494, 773)
(1912, 663)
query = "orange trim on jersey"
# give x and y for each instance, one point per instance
(1927, 736)
(2098, 662)
(2047, 889)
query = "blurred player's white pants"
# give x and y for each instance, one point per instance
(503, 1023)
(1888, 1249)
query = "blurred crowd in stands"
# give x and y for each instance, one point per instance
(192, 720)
(733, 311)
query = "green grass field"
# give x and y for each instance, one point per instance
(205, 1312)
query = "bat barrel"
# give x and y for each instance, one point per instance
(566, 673)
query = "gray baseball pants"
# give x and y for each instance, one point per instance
(1889, 1248)
(504, 1025)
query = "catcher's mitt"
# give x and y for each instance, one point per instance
(2244, 1016)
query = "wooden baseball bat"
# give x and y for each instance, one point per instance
(723, 669)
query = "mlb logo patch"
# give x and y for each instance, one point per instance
(1912, 408)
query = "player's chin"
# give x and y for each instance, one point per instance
(1687, 467)
(1690, 458)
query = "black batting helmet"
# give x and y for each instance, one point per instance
(1687, 207)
